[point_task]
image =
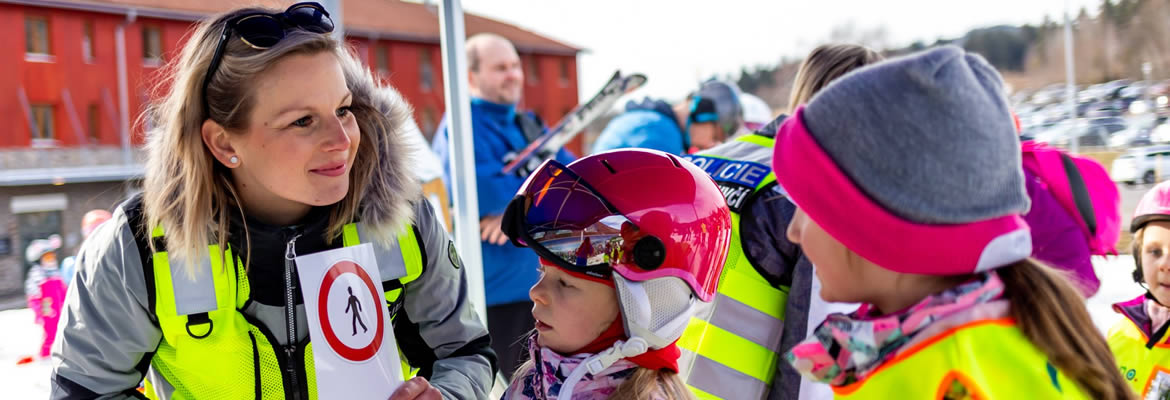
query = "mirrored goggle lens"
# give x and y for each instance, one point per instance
(608, 241)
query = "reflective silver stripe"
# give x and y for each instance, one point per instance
(193, 296)
(163, 390)
(389, 257)
(742, 151)
(747, 322)
(722, 381)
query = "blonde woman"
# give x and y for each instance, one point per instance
(271, 141)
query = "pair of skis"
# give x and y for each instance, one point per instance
(547, 145)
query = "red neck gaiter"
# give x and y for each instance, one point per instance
(664, 358)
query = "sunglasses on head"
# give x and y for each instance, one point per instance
(262, 30)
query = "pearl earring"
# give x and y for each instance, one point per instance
(234, 160)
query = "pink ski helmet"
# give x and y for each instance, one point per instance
(641, 213)
(1154, 206)
(92, 220)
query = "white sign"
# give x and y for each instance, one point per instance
(354, 349)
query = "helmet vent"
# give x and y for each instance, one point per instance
(607, 166)
(674, 160)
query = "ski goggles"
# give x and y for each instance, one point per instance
(702, 110)
(565, 221)
(262, 30)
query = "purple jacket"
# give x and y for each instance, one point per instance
(1056, 237)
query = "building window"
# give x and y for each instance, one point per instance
(533, 71)
(426, 69)
(36, 37)
(95, 123)
(42, 116)
(382, 59)
(151, 46)
(564, 72)
(87, 48)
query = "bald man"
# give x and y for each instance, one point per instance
(497, 84)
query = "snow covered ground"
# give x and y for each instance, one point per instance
(19, 336)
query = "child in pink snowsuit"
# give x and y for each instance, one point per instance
(45, 288)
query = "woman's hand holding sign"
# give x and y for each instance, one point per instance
(416, 388)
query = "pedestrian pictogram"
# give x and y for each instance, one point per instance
(340, 307)
(356, 305)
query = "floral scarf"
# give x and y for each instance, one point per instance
(550, 369)
(846, 348)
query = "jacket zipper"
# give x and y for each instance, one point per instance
(290, 305)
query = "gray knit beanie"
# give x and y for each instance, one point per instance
(928, 136)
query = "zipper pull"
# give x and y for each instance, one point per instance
(290, 250)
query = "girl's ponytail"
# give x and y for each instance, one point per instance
(1051, 313)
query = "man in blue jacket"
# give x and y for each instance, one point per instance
(497, 82)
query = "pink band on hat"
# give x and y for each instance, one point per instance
(833, 201)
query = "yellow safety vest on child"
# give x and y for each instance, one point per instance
(1145, 365)
(981, 359)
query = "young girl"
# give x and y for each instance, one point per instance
(1139, 340)
(906, 175)
(44, 290)
(630, 242)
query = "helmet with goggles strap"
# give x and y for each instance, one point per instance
(657, 225)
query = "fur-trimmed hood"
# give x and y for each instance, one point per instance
(392, 187)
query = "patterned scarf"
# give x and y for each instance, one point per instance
(550, 369)
(846, 348)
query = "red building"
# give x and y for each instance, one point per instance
(76, 74)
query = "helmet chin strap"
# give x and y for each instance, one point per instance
(642, 337)
(600, 361)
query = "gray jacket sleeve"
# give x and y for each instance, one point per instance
(438, 329)
(107, 333)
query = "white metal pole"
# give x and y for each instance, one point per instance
(1070, 91)
(460, 143)
(123, 85)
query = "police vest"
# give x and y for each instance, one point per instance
(731, 346)
(981, 359)
(211, 349)
(1147, 370)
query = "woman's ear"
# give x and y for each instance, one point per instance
(216, 139)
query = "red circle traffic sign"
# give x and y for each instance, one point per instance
(349, 353)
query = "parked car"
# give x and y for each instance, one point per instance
(1093, 132)
(1132, 136)
(1144, 165)
(1160, 134)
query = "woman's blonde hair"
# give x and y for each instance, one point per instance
(643, 384)
(1051, 313)
(825, 64)
(189, 193)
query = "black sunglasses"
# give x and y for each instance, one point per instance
(261, 31)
